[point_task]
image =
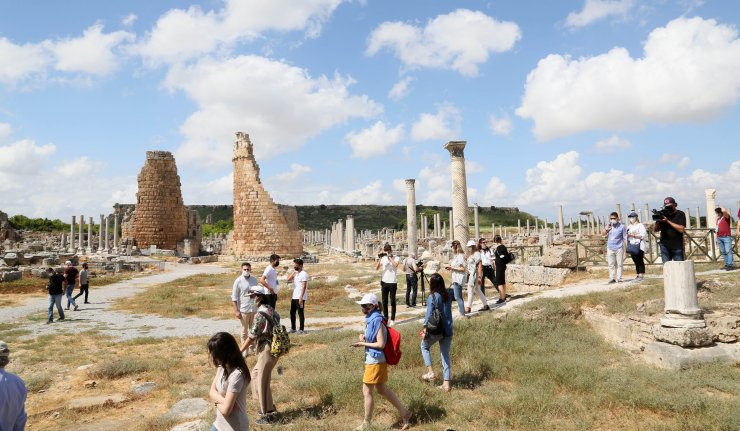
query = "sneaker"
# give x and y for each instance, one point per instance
(500, 300)
(486, 308)
(49, 321)
(67, 308)
(61, 318)
(86, 302)
(262, 421)
(619, 281)
(391, 323)
(76, 307)
(292, 331)
(300, 332)
(612, 281)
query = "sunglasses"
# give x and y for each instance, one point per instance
(364, 306)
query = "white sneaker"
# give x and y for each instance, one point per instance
(391, 323)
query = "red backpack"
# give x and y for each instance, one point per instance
(392, 349)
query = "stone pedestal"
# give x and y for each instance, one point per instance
(711, 205)
(459, 190)
(681, 301)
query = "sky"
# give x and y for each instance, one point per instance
(580, 103)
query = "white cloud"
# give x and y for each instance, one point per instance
(460, 41)
(435, 184)
(472, 167)
(93, 53)
(17, 62)
(594, 10)
(496, 191)
(668, 158)
(373, 193)
(687, 74)
(443, 125)
(552, 180)
(279, 105)
(129, 20)
(683, 162)
(500, 125)
(611, 144)
(401, 88)
(374, 140)
(296, 170)
(5, 130)
(24, 157)
(180, 35)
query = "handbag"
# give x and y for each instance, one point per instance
(633, 248)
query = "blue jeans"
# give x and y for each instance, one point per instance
(68, 293)
(725, 249)
(411, 288)
(55, 300)
(444, 348)
(668, 254)
(459, 298)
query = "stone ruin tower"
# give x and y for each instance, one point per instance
(260, 226)
(161, 218)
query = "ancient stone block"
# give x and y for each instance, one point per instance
(559, 257)
(684, 337)
(10, 276)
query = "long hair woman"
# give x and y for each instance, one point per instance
(229, 387)
(376, 368)
(475, 274)
(457, 268)
(441, 298)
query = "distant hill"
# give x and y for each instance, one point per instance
(373, 217)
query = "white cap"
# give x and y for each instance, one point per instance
(369, 298)
(471, 243)
(69, 262)
(257, 290)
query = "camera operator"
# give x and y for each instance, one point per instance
(412, 279)
(388, 283)
(671, 226)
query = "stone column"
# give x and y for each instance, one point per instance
(698, 218)
(459, 190)
(579, 226)
(340, 234)
(100, 234)
(80, 243)
(619, 210)
(646, 217)
(527, 227)
(561, 221)
(519, 226)
(107, 228)
(115, 233)
(89, 235)
(72, 235)
(451, 226)
(444, 230)
(64, 241)
(688, 218)
(350, 233)
(475, 221)
(411, 214)
(711, 205)
(681, 302)
(438, 225)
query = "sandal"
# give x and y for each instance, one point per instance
(444, 388)
(365, 426)
(467, 310)
(406, 420)
(429, 377)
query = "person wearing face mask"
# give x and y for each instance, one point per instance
(616, 234)
(244, 305)
(299, 277)
(269, 280)
(637, 244)
(671, 228)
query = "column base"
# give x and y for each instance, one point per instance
(672, 320)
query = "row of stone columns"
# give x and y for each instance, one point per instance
(104, 245)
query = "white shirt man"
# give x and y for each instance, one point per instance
(300, 294)
(269, 279)
(244, 305)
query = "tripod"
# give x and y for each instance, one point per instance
(422, 278)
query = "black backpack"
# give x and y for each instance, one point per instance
(435, 324)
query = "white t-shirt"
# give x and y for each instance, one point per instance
(458, 261)
(240, 294)
(389, 272)
(473, 260)
(270, 275)
(298, 285)
(638, 229)
(486, 257)
(236, 383)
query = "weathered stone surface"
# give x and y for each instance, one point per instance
(189, 408)
(11, 259)
(2, 262)
(559, 257)
(684, 337)
(7, 233)
(681, 301)
(143, 388)
(10, 276)
(196, 425)
(96, 401)
(674, 357)
(724, 328)
(260, 226)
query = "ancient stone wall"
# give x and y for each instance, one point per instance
(161, 218)
(260, 228)
(6, 230)
(290, 214)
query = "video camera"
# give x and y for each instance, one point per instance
(381, 255)
(659, 214)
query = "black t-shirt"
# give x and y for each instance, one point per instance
(669, 236)
(56, 284)
(500, 251)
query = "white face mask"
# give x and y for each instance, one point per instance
(245, 273)
(614, 222)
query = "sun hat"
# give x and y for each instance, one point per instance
(369, 298)
(69, 262)
(471, 243)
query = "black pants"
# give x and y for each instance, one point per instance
(385, 289)
(487, 273)
(639, 260)
(412, 281)
(272, 299)
(294, 306)
(84, 288)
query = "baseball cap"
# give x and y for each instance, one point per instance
(669, 201)
(369, 298)
(471, 243)
(69, 262)
(256, 290)
(4, 352)
(632, 214)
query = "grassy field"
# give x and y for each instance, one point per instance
(15, 292)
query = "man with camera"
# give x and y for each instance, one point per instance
(671, 223)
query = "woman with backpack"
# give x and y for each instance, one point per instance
(502, 257)
(261, 334)
(438, 328)
(229, 388)
(457, 268)
(376, 369)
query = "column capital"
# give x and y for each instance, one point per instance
(410, 183)
(710, 193)
(456, 148)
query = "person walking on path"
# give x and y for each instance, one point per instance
(376, 368)
(270, 281)
(84, 283)
(671, 227)
(457, 268)
(299, 277)
(440, 298)
(486, 259)
(616, 234)
(56, 290)
(261, 334)
(244, 305)
(637, 244)
(388, 282)
(70, 276)
(412, 279)
(229, 387)
(501, 258)
(724, 237)
(475, 274)
(12, 395)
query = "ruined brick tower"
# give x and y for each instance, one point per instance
(160, 218)
(260, 228)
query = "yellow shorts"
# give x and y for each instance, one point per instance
(375, 373)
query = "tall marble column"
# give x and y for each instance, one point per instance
(688, 218)
(561, 221)
(80, 243)
(100, 233)
(475, 221)
(711, 205)
(519, 226)
(527, 227)
(698, 218)
(72, 235)
(350, 233)
(452, 229)
(340, 234)
(444, 230)
(89, 235)
(115, 233)
(107, 237)
(647, 218)
(459, 190)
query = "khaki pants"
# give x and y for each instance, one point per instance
(261, 377)
(246, 321)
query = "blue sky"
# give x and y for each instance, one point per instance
(580, 103)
